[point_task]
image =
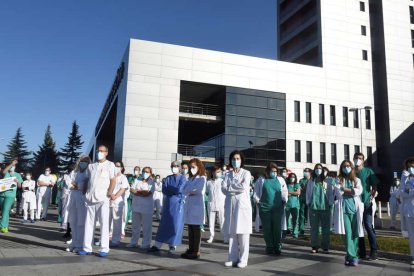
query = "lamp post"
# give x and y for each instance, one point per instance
(356, 109)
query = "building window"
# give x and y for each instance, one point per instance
(368, 118)
(308, 112)
(346, 152)
(361, 6)
(321, 114)
(412, 14)
(297, 111)
(364, 54)
(356, 119)
(297, 151)
(323, 153)
(412, 38)
(357, 149)
(333, 153)
(345, 116)
(332, 115)
(369, 156)
(309, 151)
(363, 30)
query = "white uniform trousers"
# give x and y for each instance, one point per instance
(65, 211)
(124, 217)
(145, 221)
(393, 211)
(29, 202)
(76, 218)
(97, 211)
(212, 222)
(43, 201)
(115, 219)
(158, 207)
(257, 220)
(239, 248)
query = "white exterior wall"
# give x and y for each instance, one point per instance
(153, 90)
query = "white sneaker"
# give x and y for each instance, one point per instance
(68, 249)
(98, 243)
(210, 240)
(69, 242)
(241, 265)
(228, 264)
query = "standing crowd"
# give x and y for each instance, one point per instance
(100, 194)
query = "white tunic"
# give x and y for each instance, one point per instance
(143, 204)
(194, 190)
(121, 183)
(29, 196)
(158, 190)
(99, 181)
(47, 179)
(238, 208)
(216, 197)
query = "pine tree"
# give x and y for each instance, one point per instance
(70, 153)
(17, 149)
(46, 156)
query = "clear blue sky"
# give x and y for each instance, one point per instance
(58, 58)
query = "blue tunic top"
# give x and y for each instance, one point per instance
(171, 226)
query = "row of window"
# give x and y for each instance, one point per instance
(322, 152)
(412, 31)
(332, 115)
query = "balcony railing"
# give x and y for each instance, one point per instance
(199, 108)
(197, 151)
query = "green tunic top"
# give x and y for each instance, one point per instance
(12, 193)
(369, 181)
(293, 200)
(348, 200)
(319, 200)
(302, 183)
(271, 195)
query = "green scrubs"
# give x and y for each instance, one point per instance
(320, 216)
(351, 225)
(292, 209)
(303, 211)
(131, 180)
(271, 211)
(60, 184)
(369, 181)
(6, 202)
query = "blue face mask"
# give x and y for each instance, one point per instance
(411, 170)
(305, 174)
(273, 175)
(346, 170)
(236, 163)
(318, 172)
(185, 171)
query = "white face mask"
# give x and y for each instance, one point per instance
(284, 175)
(292, 180)
(357, 162)
(101, 156)
(146, 175)
(28, 177)
(218, 175)
(12, 169)
(158, 180)
(47, 173)
(117, 170)
(194, 171)
(411, 170)
(136, 173)
(175, 170)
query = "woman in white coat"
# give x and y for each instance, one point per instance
(349, 210)
(237, 210)
(407, 203)
(29, 198)
(158, 197)
(394, 201)
(194, 211)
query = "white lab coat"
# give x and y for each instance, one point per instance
(407, 203)
(237, 207)
(29, 196)
(194, 189)
(216, 197)
(394, 206)
(338, 222)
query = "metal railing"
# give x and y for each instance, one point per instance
(199, 108)
(197, 150)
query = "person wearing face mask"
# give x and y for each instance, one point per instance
(348, 211)
(29, 197)
(170, 229)
(158, 197)
(7, 197)
(216, 203)
(319, 198)
(406, 191)
(45, 184)
(237, 210)
(194, 211)
(284, 174)
(117, 204)
(369, 183)
(303, 211)
(293, 205)
(77, 207)
(271, 203)
(142, 209)
(66, 193)
(394, 198)
(131, 181)
(257, 193)
(101, 184)
(185, 171)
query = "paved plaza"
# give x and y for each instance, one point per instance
(38, 249)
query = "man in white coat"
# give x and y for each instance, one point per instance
(98, 192)
(216, 200)
(45, 184)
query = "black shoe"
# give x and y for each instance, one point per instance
(373, 257)
(67, 236)
(153, 249)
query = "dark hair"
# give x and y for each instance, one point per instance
(122, 166)
(138, 168)
(215, 168)
(359, 154)
(269, 168)
(150, 169)
(408, 160)
(322, 176)
(307, 170)
(201, 170)
(294, 175)
(158, 176)
(233, 153)
(351, 176)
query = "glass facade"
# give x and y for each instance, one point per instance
(255, 123)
